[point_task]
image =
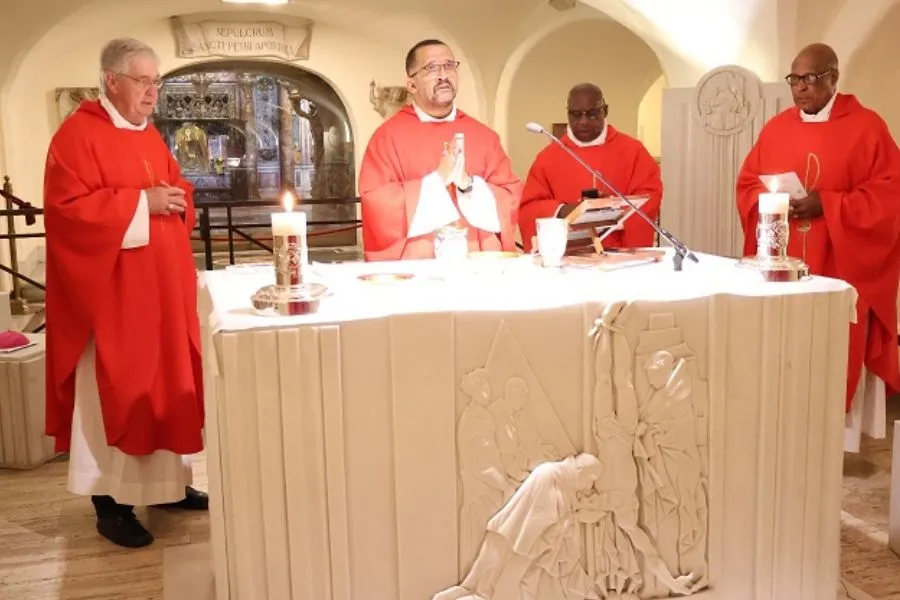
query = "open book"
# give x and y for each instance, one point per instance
(603, 212)
(594, 219)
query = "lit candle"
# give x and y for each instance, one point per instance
(288, 222)
(774, 203)
(289, 245)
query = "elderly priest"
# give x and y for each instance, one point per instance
(844, 222)
(431, 166)
(124, 384)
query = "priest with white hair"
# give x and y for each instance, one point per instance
(124, 383)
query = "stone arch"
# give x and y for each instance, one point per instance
(623, 87)
(853, 25)
(674, 67)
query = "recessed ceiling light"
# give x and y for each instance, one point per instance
(267, 2)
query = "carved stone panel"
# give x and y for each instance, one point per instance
(707, 132)
(630, 521)
(387, 100)
(68, 99)
(727, 99)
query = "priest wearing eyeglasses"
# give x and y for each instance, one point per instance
(418, 177)
(556, 183)
(124, 387)
(846, 225)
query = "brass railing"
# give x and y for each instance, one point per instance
(15, 207)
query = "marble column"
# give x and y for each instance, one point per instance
(251, 146)
(286, 138)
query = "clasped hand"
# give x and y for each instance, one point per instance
(166, 200)
(807, 208)
(452, 168)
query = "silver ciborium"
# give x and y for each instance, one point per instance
(772, 235)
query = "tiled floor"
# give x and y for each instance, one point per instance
(49, 549)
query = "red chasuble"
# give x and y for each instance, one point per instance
(139, 304)
(555, 178)
(403, 151)
(854, 164)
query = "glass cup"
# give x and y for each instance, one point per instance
(552, 237)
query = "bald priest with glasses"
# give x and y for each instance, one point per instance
(844, 216)
(431, 166)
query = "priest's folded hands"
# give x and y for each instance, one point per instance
(165, 200)
(452, 168)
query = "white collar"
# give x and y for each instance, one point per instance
(598, 141)
(821, 116)
(426, 118)
(118, 120)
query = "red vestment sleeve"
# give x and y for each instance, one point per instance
(85, 231)
(864, 227)
(537, 201)
(388, 201)
(507, 190)
(645, 181)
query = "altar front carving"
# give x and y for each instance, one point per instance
(646, 448)
(639, 527)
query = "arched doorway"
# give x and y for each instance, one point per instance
(249, 131)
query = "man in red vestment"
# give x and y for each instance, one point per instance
(848, 224)
(555, 182)
(415, 179)
(124, 386)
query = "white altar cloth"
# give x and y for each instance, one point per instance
(337, 452)
(532, 289)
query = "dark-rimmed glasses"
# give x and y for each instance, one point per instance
(809, 78)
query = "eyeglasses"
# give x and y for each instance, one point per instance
(809, 78)
(144, 82)
(434, 69)
(591, 115)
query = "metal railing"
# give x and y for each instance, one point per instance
(16, 207)
(235, 231)
(203, 232)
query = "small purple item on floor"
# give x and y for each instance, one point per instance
(13, 339)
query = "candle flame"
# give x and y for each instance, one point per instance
(773, 185)
(287, 201)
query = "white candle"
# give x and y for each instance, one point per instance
(288, 222)
(774, 203)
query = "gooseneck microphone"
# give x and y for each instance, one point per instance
(681, 251)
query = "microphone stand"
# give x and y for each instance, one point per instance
(681, 251)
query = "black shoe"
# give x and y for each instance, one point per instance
(193, 500)
(117, 523)
(124, 530)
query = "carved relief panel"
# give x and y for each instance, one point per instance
(387, 100)
(68, 99)
(629, 518)
(707, 131)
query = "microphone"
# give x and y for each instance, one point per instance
(681, 251)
